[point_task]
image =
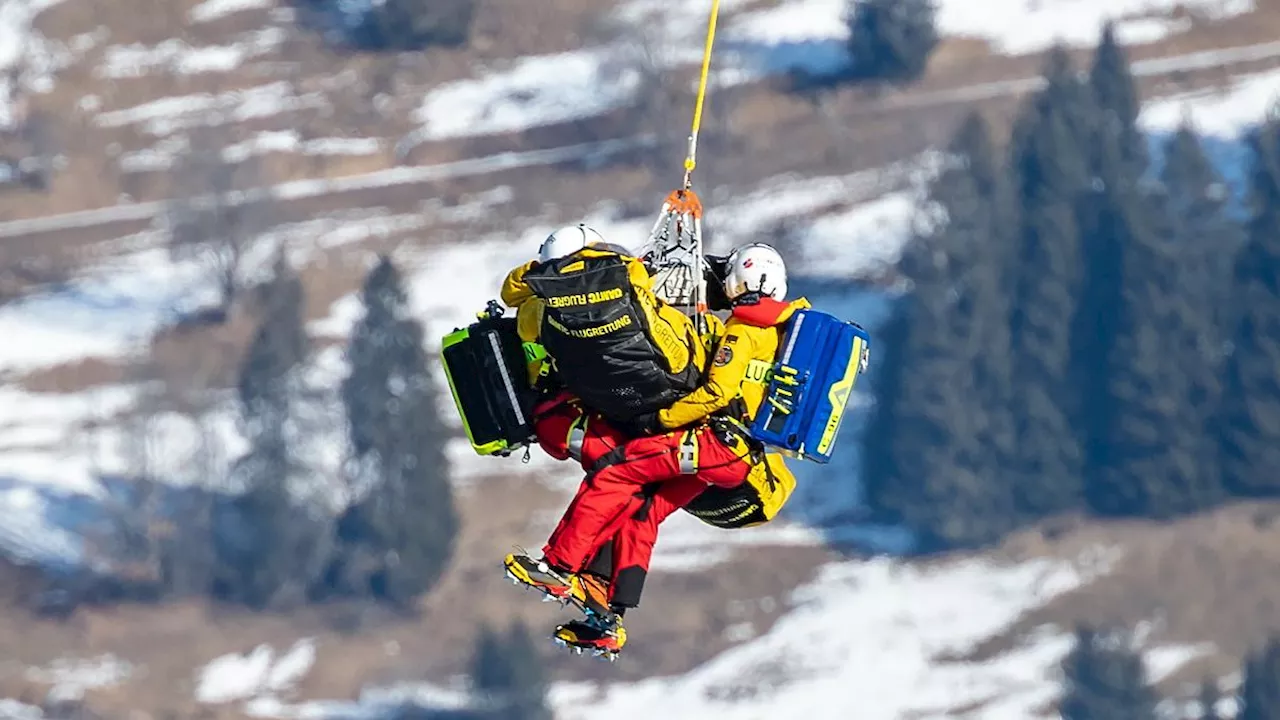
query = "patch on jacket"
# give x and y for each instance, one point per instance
(724, 355)
(731, 338)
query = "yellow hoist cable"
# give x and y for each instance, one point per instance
(690, 161)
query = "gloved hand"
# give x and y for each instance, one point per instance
(645, 424)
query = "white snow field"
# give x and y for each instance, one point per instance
(881, 639)
(256, 673)
(210, 10)
(866, 638)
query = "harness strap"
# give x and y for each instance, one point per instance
(577, 434)
(729, 428)
(613, 457)
(646, 494)
(689, 453)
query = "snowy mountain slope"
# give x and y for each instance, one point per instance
(1013, 27)
(795, 34)
(510, 95)
(870, 637)
(50, 458)
(866, 638)
(113, 308)
(878, 639)
(883, 638)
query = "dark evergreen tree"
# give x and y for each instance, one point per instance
(1159, 458)
(1250, 421)
(889, 493)
(1105, 680)
(984, 246)
(416, 24)
(1113, 215)
(1196, 204)
(272, 543)
(1259, 696)
(508, 677)
(1209, 698)
(398, 538)
(891, 40)
(1159, 451)
(1116, 99)
(1051, 171)
(928, 436)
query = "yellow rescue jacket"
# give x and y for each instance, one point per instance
(741, 364)
(517, 294)
(740, 371)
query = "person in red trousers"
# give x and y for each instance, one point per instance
(698, 443)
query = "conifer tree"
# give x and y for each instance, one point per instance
(1105, 680)
(1259, 697)
(891, 40)
(399, 536)
(1113, 215)
(279, 547)
(508, 677)
(1051, 172)
(416, 24)
(1209, 698)
(1162, 384)
(1250, 419)
(1196, 205)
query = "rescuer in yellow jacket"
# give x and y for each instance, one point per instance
(700, 458)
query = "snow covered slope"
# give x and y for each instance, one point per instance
(792, 34)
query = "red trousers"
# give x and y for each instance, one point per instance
(625, 502)
(555, 419)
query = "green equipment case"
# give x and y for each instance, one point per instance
(485, 365)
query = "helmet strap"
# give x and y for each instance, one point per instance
(760, 289)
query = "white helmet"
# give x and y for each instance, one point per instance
(566, 240)
(756, 268)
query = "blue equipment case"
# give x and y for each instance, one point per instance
(822, 357)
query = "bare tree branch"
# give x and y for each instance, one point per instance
(213, 215)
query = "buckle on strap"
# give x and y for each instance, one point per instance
(688, 453)
(577, 434)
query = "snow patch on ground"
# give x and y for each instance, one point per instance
(1222, 118)
(865, 236)
(39, 428)
(374, 703)
(879, 629)
(1165, 660)
(175, 56)
(70, 678)
(167, 115)
(257, 673)
(800, 34)
(291, 141)
(35, 59)
(1226, 112)
(213, 9)
(1024, 26)
(14, 710)
(1012, 27)
(110, 311)
(536, 90)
